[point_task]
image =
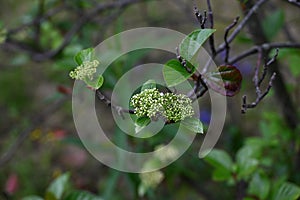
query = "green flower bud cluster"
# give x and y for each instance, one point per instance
(153, 104)
(86, 70)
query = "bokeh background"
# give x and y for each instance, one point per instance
(38, 40)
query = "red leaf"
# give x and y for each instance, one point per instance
(226, 80)
(12, 184)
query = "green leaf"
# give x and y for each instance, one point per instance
(141, 122)
(96, 84)
(219, 159)
(273, 23)
(247, 152)
(174, 73)
(257, 142)
(84, 55)
(32, 198)
(259, 186)
(57, 187)
(247, 162)
(193, 124)
(82, 195)
(191, 45)
(221, 174)
(226, 80)
(99, 82)
(150, 84)
(287, 191)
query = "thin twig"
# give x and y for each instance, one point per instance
(182, 61)
(39, 20)
(257, 82)
(256, 73)
(195, 89)
(204, 87)
(227, 47)
(211, 38)
(120, 110)
(265, 47)
(265, 68)
(245, 106)
(82, 21)
(101, 7)
(37, 28)
(241, 25)
(200, 88)
(201, 18)
(294, 2)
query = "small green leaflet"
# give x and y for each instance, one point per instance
(174, 73)
(89, 55)
(57, 188)
(247, 161)
(84, 55)
(150, 84)
(141, 122)
(95, 84)
(259, 185)
(219, 159)
(193, 124)
(191, 45)
(287, 191)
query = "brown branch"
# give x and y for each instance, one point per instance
(203, 89)
(256, 74)
(257, 82)
(241, 25)
(182, 61)
(265, 47)
(200, 87)
(294, 2)
(211, 38)
(36, 21)
(120, 110)
(265, 68)
(227, 47)
(201, 18)
(260, 97)
(282, 95)
(84, 19)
